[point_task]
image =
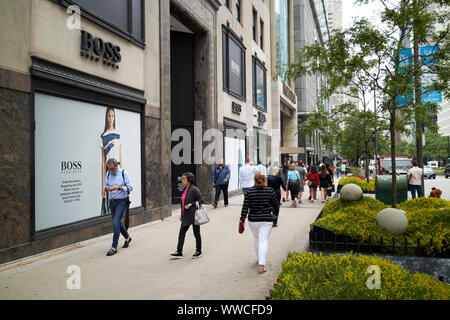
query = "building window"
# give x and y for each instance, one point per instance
(226, 3)
(261, 34)
(259, 85)
(282, 37)
(124, 18)
(238, 10)
(233, 54)
(255, 14)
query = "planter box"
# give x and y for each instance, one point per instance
(324, 240)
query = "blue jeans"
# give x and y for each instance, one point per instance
(117, 211)
(224, 188)
(413, 191)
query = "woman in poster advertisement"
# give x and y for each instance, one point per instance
(111, 148)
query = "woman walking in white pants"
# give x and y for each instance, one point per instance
(263, 205)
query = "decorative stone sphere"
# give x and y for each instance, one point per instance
(393, 221)
(351, 192)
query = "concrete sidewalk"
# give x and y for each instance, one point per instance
(227, 270)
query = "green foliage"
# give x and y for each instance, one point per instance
(428, 219)
(307, 276)
(366, 187)
(365, 59)
(436, 146)
(367, 203)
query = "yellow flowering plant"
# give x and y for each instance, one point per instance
(308, 276)
(366, 187)
(428, 220)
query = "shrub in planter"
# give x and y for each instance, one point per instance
(428, 219)
(366, 187)
(423, 203)
(369, 203)
(307, 276)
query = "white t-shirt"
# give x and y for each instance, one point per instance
(110, 142)
(247, 176)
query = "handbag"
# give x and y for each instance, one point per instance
(309, 183)
(201, 217)
(241, 226)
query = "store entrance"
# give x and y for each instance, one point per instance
(182, 103)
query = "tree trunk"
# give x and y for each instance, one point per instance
(394, 171)
(418, 105)
(366, 164)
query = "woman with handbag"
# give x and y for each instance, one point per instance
(293, 184)
(262, 206)
(191, 195)
(313, 183)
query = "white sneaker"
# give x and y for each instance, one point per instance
(323, 201)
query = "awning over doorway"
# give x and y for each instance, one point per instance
(292, 150)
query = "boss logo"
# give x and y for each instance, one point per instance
(71, 165)
(96, 49)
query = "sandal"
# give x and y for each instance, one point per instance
(264, 270)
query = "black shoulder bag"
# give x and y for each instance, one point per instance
(217, 177)
(128, 202)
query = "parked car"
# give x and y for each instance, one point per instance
(447, 171)
(429, 173)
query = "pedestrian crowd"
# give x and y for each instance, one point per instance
(264, 188)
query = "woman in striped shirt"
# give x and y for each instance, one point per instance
(263, 205)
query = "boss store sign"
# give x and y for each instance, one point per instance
(96, 49)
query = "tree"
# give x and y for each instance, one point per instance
(435, 146)
(367, 58)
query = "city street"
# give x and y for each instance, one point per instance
(227, 269)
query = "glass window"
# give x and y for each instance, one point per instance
(226, 3)
(254, 24)
(261, 34)
(233, 64)
(238, 10)
(259, 84)
(282, 37)
(124, 18)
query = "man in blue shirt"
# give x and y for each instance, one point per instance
(118, 185)
(220, 180)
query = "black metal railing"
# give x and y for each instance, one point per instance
(321, 239)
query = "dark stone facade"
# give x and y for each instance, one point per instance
(15, 158)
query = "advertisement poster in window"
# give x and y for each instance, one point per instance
(235, 68)
(73, 141)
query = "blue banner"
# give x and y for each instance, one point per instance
(433, 96)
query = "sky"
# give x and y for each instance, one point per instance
(351, 10)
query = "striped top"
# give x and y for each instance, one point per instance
(261, 203)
